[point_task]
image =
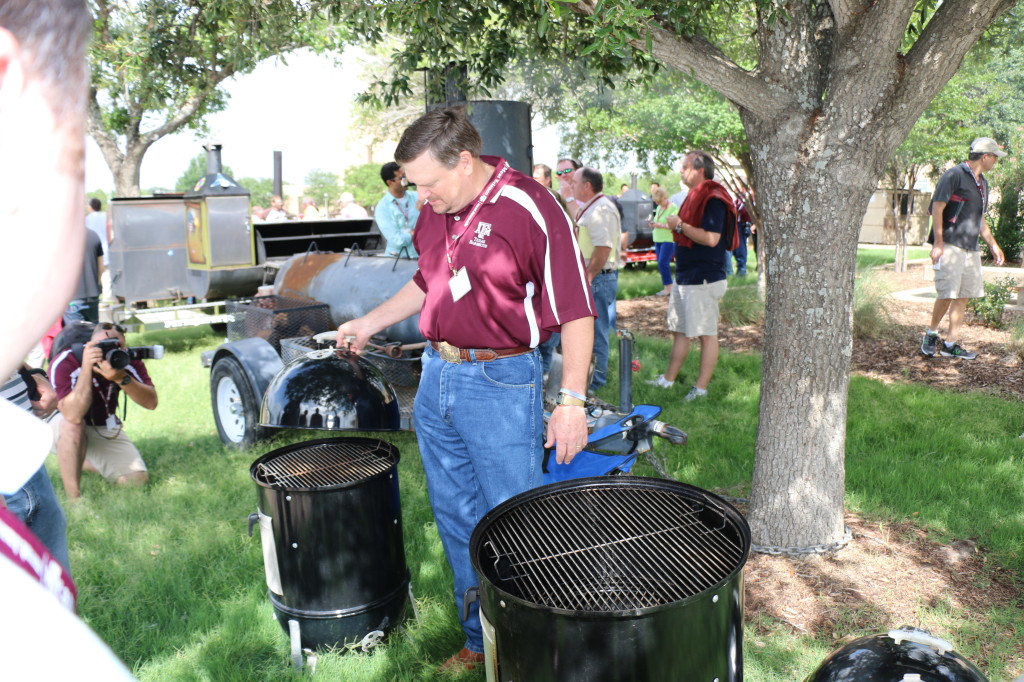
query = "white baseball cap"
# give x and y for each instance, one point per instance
(986, 145)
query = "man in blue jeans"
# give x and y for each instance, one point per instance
(499, 270)
(601, 219)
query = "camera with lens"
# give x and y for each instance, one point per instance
(119, 357)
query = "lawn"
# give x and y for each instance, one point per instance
(169, 578)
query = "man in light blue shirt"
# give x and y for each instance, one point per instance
(397, 211)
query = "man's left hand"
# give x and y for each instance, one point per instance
(567, 432)
(104, 369)
(997, 254)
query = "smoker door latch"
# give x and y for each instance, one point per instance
(472, 595)
(254, 518)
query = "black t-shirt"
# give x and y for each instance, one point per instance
(89, 279)
(699, 264)
(965, 206)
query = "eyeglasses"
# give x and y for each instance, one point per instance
(108, 325)
(564, 171)
(404, 181)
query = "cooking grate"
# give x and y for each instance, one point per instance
(612, 548)
(326, 464)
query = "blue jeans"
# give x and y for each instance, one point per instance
(480, 430)
(605, 287)
(547, 349)
(665, 251)
(37, 507)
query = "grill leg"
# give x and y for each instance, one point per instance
(293, 633)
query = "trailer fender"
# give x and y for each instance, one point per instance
(257, 357)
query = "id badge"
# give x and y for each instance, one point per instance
(459, 284)
(111, 422)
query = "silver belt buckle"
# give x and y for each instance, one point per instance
(449, 353)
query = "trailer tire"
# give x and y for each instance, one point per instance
(236, 408)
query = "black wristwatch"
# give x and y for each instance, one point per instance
(127, 380)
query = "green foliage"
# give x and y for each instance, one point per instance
(988, 310)
(322, 186)
(741, 304)
(98, 194)
(872, 318)
(1017, 340)
(260, 190)
(365, 184)
(1008, 224)
(196, 169)
(158, 65)
(660, 120)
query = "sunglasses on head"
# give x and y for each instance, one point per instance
(107, 325)
(564, 171)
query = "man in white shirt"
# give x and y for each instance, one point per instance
(600, 218)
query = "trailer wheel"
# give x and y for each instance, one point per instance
(235, 408)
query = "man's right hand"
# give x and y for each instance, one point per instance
(92, 356)
(354, 334)
(936, 253)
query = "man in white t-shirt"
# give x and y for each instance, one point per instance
(599, 216)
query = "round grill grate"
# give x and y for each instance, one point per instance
(326, 463)
(613, 547)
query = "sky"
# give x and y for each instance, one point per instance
(302, 109)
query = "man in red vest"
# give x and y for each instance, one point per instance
(703, 231)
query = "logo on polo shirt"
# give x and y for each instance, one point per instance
(483, 230)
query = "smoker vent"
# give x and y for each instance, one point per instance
(326, 464)
(613, 548)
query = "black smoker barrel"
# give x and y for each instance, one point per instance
(331, 525)
(612, 579)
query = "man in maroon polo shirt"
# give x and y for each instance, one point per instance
(499, 271)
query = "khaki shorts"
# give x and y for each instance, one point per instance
(110, 451)
(960, 274)
(693, 308)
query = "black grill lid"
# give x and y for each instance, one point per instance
(324, 464)
(611, 544)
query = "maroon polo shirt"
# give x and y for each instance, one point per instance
(523, 262)
(64, 372)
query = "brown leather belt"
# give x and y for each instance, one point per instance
(450, 353)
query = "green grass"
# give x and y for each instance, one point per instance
(867, 258)
(168, 577)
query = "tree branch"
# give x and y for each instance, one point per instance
(936, 56)
(845, 12)
(187, 110)
(106, 142)
(705, 62)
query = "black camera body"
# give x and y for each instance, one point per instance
(118, 356)
(113, 353)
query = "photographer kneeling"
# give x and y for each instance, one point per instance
(88, 379)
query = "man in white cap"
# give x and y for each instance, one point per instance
(958, 219)
(349, 207)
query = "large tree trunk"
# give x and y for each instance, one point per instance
(831, 99)
(812, 218)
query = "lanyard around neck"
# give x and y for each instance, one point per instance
(450, 245)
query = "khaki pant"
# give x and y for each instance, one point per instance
(109, 451)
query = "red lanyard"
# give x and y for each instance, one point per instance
(981, 189)
(587, 207)
(450, 245)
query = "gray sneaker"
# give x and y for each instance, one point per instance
(928, 344)
(694, 394)
(956, 351)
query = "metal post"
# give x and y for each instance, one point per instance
(625, 370)
(278, 183)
